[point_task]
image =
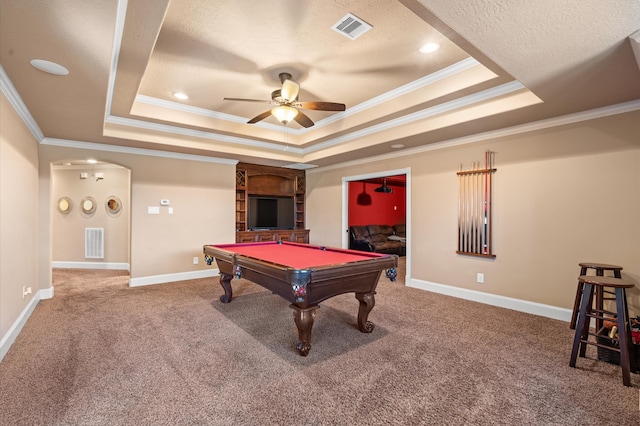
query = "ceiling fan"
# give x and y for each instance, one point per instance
(287, 108)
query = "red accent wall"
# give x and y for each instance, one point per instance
(385, 209)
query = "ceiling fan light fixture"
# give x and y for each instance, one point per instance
(284, 114)
(289, 91)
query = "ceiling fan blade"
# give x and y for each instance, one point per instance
(303, 120)
(289, 90)
(320, 106)
(262, 101)
(259, 117)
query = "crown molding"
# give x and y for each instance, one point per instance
(136, 151)
(400, 121)
(165, 128)
(14, 98)
(176, 106)
(453, 105)
(115, 54)
(494, 134)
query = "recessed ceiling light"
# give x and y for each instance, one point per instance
(397, 146)
(429, 48)
(180, 95)
(49, 67)
(92, 161)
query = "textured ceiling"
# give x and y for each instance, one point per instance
(501, 64)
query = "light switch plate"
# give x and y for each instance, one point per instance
(153, 210)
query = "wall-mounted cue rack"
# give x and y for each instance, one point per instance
(474, 208)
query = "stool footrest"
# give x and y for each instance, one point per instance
(601, 317)
(604, 311)
(610, 348)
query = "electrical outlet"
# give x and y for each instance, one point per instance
(195, 260)
(480, 278)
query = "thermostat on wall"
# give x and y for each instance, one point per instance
(164, 202)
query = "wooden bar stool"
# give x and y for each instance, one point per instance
(591, 284)
(599, 268)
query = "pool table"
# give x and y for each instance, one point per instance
(304, 275)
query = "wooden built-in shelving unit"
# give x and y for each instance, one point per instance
(257, 180)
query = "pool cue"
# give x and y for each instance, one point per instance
(459, 208)
(478, 208)
(476, 211)
(489, 190)
(472, 225)
(475, 208)
(473, 164)
(464, 212)
(468, 233)
(484, 202)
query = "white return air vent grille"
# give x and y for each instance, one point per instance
(351, 26)
(94, 243)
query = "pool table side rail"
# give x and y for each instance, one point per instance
(356, 277)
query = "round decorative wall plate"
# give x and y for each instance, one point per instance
(88, 205)
(65, 205)
(113, 205)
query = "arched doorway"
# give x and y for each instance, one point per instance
(91, 219)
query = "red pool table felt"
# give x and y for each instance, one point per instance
(297, 255)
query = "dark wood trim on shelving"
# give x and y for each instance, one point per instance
(295, 235)
(254, 179)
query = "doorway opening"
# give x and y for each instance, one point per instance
(90, 217)
(379, 199)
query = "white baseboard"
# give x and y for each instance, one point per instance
(534, 308)
(91, 265)
(167, 278)
(15, 329)
(46, 293)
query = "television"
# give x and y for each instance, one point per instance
(270, 212)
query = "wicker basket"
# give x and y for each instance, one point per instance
(613, 357)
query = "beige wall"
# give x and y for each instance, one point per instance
(18, 216)
(561, 196)
(203, 198)
(68, 230)
(201, 195)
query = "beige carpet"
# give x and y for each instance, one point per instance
(100, 353)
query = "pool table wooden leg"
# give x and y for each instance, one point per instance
(367, 302)
(225, 282)
(304, 321)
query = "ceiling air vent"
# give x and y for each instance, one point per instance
(351, 26)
